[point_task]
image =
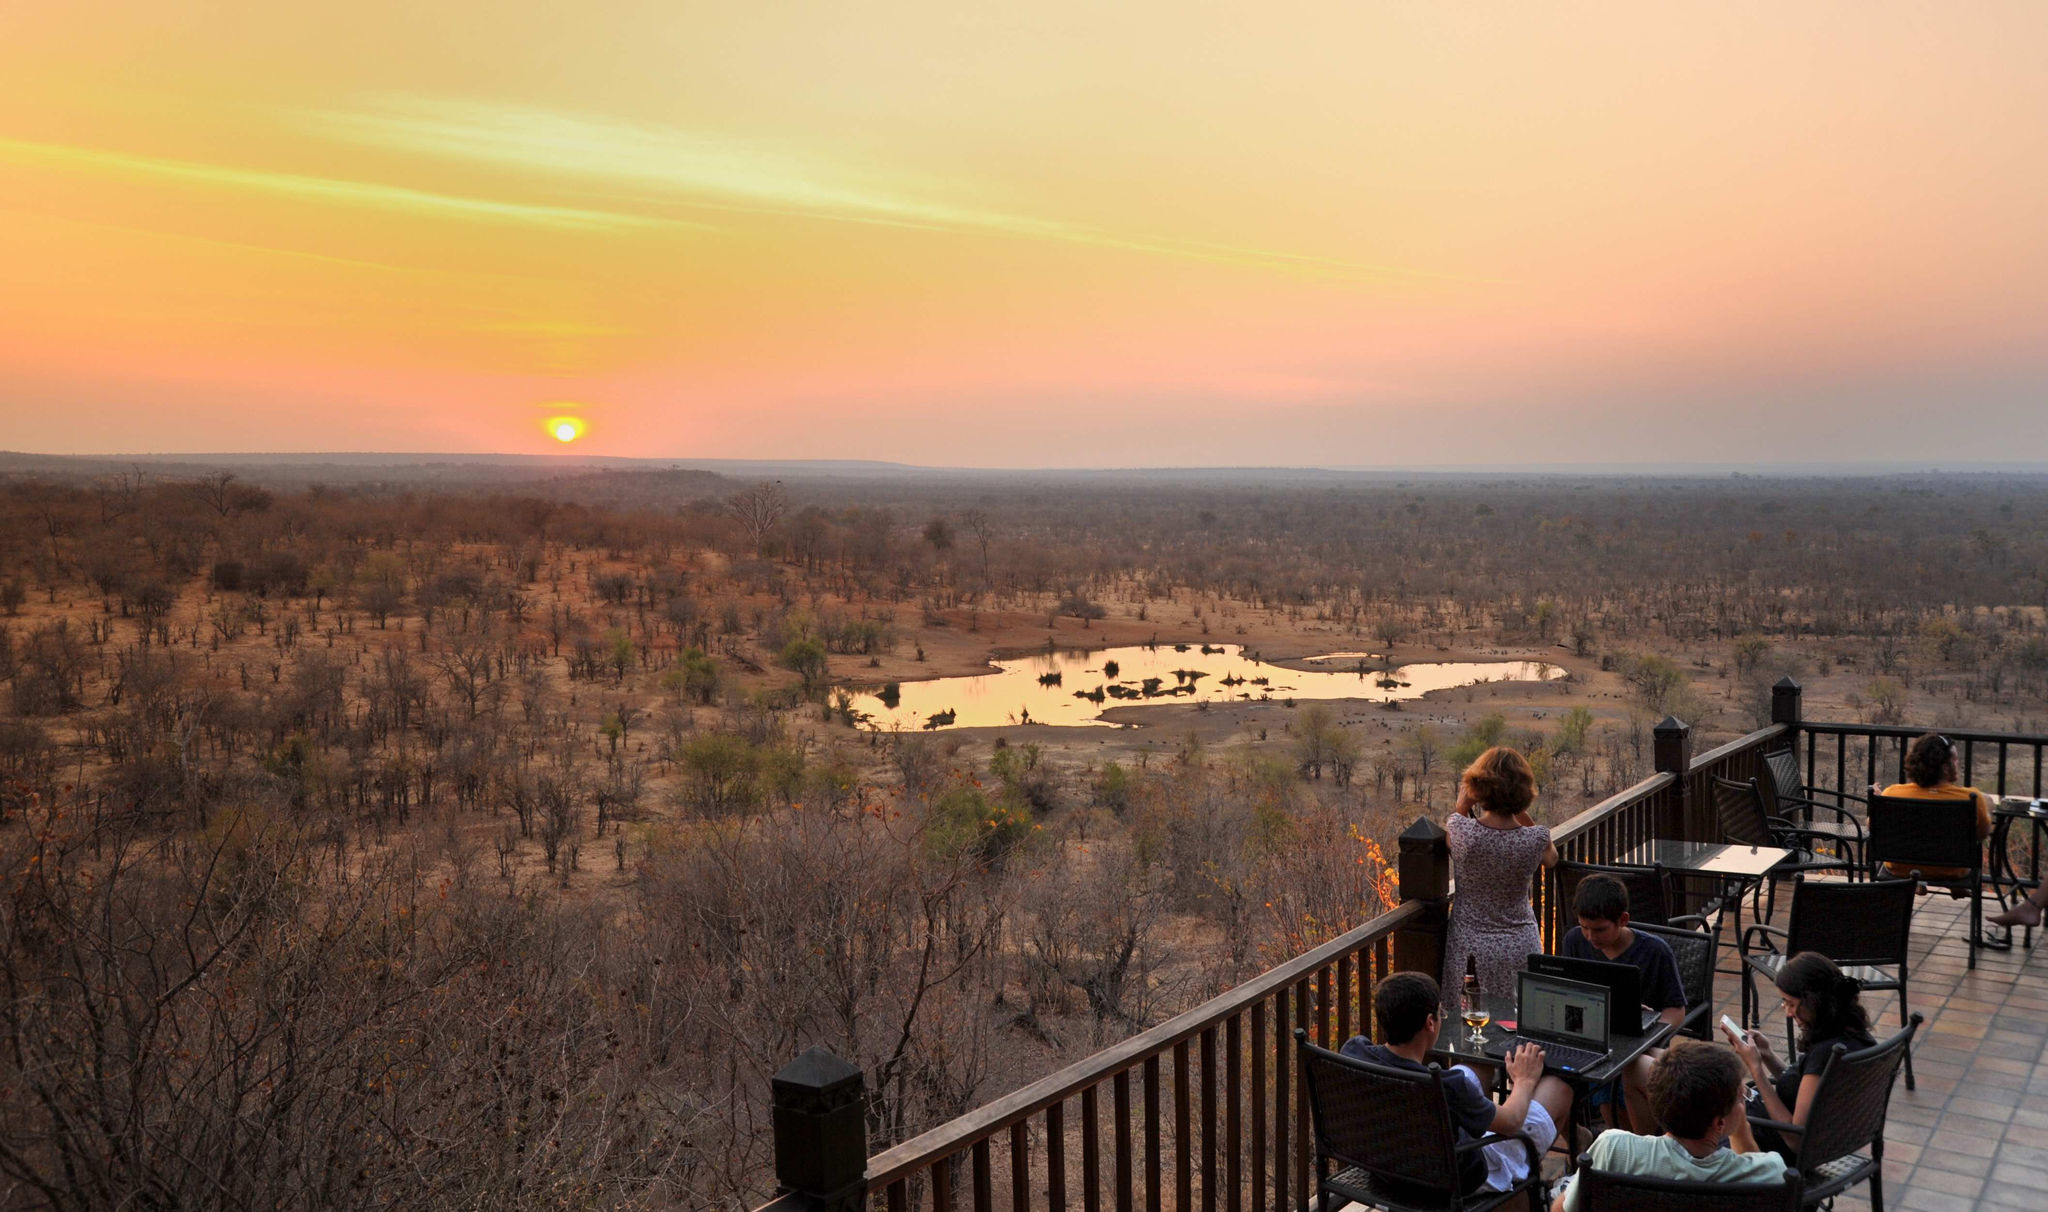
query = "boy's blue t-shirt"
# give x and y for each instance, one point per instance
(1662, 987)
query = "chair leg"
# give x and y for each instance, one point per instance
(1877, 1188)
(1976, 922)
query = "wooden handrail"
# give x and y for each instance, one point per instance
(952, 1136)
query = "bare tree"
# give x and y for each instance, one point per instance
(758, 509)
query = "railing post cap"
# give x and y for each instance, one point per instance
(1671, 723)
(817, 1071)
(1424, 832)
(1785, 683)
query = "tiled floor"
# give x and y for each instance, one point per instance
(1974, 1134)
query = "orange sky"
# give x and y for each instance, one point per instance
(1046, 233)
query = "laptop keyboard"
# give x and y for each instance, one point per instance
(1563, 1056)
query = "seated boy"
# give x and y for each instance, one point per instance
(1603, 934)
(1408, 1005)
(1696, 1094)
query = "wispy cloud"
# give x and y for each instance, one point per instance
(316, 189)
(722, 173)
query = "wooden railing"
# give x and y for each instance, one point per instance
(1205, 1110)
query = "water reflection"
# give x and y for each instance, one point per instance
(1073, 689)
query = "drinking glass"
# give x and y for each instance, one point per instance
(1476, 1016)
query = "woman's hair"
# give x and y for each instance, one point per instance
(1501, 779)
(1927, 759)
(1833, 1001)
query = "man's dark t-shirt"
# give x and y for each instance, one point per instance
(1661, 984)
(1471, 1110)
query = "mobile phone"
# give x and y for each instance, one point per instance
(1732, 1027)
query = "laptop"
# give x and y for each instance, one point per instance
(1624, 984)
(1567, 1018)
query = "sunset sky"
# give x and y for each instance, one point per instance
(1028, 234)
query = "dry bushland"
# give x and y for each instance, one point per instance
(379, 846)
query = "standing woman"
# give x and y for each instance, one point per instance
(1496, 851)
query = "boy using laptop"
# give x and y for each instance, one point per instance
(1603, 934)
(1696, 1094)
(1408, 1005)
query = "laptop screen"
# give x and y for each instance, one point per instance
(1568, 1011)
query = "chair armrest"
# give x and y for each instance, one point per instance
(1695, 922)
(1779, 1124)
(1827, 791)
(1841, 814)
(1760, 931)
(1528, 1146)
(1781, 829)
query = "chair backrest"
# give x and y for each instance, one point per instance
(1781, 779)
(1862, 923)
(1740, 806)
(1607, 1189)
(1394, 1124)
(1909, 832)
(1849, 1106)
(1649, 897)
(1695, 952)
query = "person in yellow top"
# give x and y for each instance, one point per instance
(1935, 774)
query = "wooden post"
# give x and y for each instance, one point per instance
(1425, 876)
(821, 1134)
(1671, 750)
(1785, 703)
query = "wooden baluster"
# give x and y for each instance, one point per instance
(1301, 1135)
(1208, 1120)
(1152, 1132)
(1120, 1089)
(1056, 1157)
(1283, 1092)
(984, 1184)
(1020, 1166)
(1233, 1114)
(1345, 975)
(1091, 1151)
(1183, 1166)
(1258, 1108)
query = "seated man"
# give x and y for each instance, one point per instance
(1696, 1094)
(1603, 934)
(1408, 1005)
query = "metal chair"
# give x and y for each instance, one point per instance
(1847, 1117)
(1696, 951)
(1925, 835)
(1865, 928)
(1740, 807)
(1600, 1189)
(1787, 796)
(1651, 892)
(1384, 1138)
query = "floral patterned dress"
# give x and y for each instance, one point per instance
(1492, 921)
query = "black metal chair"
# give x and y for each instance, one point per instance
(1696, 951)
(1917, 836)
(1601, 1189)
(1740, 806)
(1865, 928)
(1787, 796)
(1847, 1117)
(1384, 1138)
(1651, 893)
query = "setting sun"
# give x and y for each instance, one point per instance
(565, 429)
